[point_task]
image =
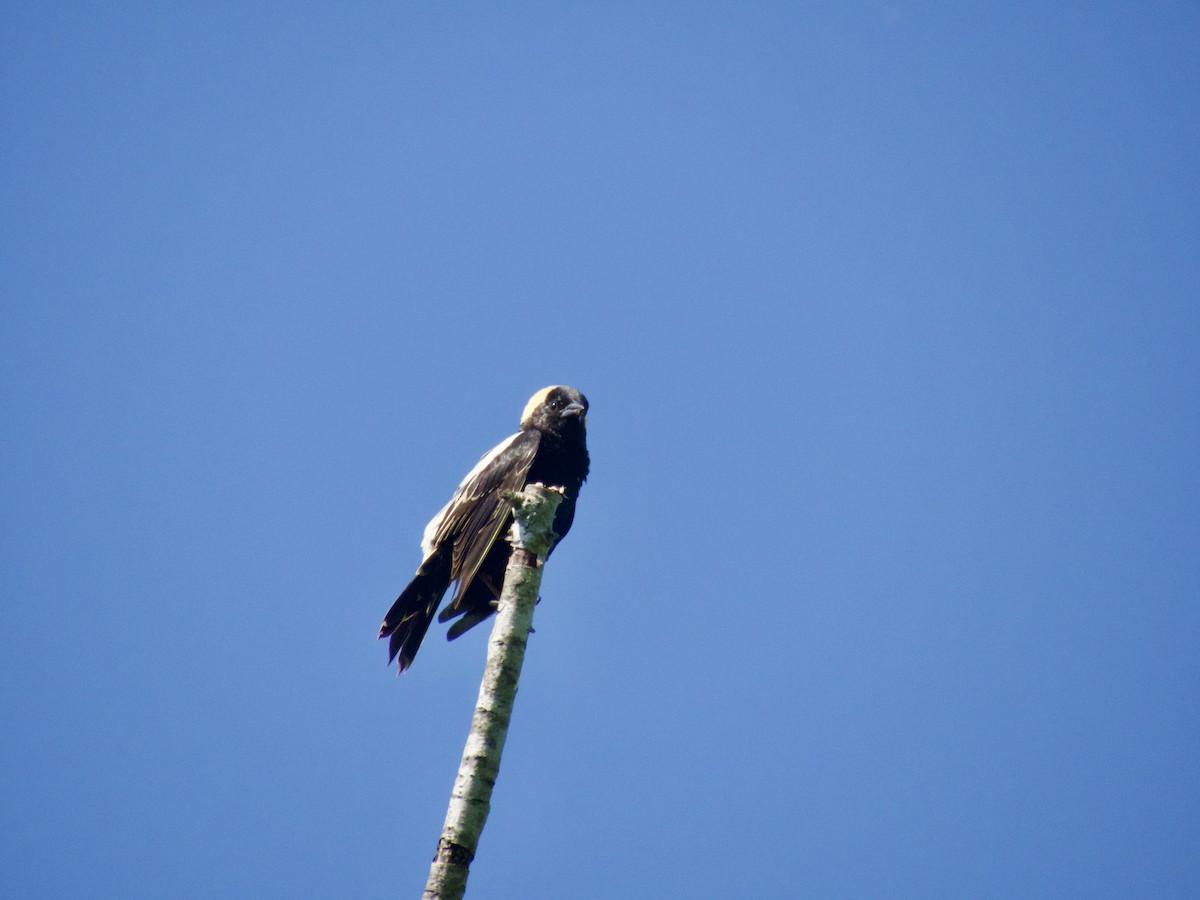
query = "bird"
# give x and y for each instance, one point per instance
(464, 545)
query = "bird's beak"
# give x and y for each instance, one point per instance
(572, 409)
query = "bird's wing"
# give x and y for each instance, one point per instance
(477, 513)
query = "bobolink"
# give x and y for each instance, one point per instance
(464, 543)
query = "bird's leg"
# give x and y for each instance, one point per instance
(494, 603)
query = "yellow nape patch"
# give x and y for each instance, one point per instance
(535, 401)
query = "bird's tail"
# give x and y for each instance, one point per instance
(408, 619)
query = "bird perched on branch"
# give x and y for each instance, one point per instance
(464, 544)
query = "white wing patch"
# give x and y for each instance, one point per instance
(435, 523)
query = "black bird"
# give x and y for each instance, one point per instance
(465, 542)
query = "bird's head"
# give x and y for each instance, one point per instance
(556, 409)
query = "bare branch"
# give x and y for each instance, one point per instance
(470, 801)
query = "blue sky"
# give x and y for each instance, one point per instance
(886, 580)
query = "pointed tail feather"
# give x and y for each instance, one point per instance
(470, 619)
(409, 618)
(475, 604)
